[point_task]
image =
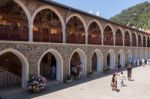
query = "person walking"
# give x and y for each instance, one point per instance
(78, 71)
(129, 72)
(122, 79)
(114, 83)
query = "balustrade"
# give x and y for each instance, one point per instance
(9, 32)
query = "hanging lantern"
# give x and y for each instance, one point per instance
(3, 2)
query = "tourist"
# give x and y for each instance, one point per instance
(134, 62)
(122, 79)
(129, 72)
(75, 72)
(114, 83)
(53, 72)
(78, 71)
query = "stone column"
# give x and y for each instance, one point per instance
(30, 32)
(86, 36)
(64, 33)
(102, 40)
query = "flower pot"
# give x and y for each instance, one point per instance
(68, 81)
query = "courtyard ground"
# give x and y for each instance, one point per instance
(91, 88)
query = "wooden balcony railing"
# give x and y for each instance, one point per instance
(127, 42)
(47, 37)
(108, 41)
(9, 32)
(95, 40)
(76, 39)
(119, 42)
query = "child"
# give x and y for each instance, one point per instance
(114, 82)
(122, 79)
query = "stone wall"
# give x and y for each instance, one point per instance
(33, 52)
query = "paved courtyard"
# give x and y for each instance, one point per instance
(96, 88)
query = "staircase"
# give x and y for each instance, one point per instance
(8, 78)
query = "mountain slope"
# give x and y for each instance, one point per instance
(138, 16)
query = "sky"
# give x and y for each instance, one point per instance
(105, 8)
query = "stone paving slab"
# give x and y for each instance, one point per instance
(98, 88)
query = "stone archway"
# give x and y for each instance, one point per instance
(129, 55)
(94, 33)
(119, 37)
(146, 54)
(56, 61)
(108, 35)
(142, 54)
(16, 27)
(97, 61)
(48, 7)
(111, 59)
(78, 57)
(121, 58)
(24, 72)
(76, 31)
(136, 54)
(127, 38)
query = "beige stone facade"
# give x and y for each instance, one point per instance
(30, 53)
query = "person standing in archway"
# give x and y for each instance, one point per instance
(78, 71)
(53, 72)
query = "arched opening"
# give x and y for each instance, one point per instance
(97, 61)
(48, 67)
(127, 39)
(136, 54)
(75, 31)
(134, 41)
(10, 70)
(47, 27)
(77, 64)
(94, 36)
(13, 22)
(119, 38)
(142, 54)
(144, 41)
(19, 64)
(121, 58)
(108, 36)
(51, 66)
(146, 54)
(139, 41)
(94, 62)
(148, 42)
(111, 59)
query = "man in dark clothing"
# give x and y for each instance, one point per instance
(129, 72)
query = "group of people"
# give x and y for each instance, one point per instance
(76, 71)
(137, 62)
(122, 78)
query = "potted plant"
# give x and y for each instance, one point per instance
(91, 74)
(68, 79)
(36, 83)
(106, 69)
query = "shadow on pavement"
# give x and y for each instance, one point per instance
(19, 93)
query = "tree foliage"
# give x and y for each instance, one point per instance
(138, 16)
